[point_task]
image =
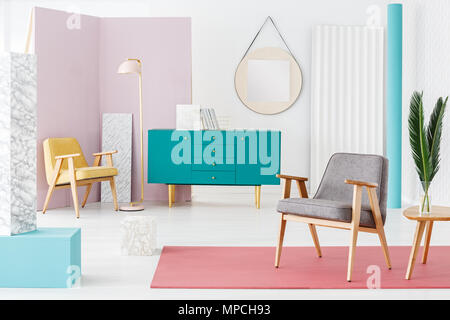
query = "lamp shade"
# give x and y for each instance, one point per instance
(130, 66)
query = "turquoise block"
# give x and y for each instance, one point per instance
(394, 104)
(45, 258)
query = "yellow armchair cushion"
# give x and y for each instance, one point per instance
(87, 173)
(61, 146)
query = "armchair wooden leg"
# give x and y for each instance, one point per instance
(384, 246)
(356, 213)
(312, 229)
(52, 185)
(73, 186)
(351, 254)
(280, 241)
(376, 213)
(51, 188)
(86, 194)
(112, 183)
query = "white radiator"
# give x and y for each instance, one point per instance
(347, 100)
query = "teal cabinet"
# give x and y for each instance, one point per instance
(264, 168)
(234, 157)
(161, 167)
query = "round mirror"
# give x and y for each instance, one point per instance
(268, 80)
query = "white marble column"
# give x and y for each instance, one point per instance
(17, 143)
(116, 135)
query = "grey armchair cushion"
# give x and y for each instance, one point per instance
(325, 209)
(333, 199)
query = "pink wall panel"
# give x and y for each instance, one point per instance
(77, 82)
(68, 102)
(164, 47)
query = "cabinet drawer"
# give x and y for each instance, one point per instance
(214, 167)
(213, 177)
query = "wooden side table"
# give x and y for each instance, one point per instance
(438, 213)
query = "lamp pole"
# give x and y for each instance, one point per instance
(135, 66)
(142, 137)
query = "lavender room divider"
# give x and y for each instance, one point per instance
(78, 81)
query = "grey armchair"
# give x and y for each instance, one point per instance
(336, 205)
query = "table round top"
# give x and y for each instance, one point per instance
(438, 213)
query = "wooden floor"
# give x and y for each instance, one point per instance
(212, 218)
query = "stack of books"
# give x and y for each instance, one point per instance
(209, 119)
(188, 117)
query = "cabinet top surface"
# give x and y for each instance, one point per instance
(160, 129)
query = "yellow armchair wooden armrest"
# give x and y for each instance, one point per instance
(65, 156)
(104, 153)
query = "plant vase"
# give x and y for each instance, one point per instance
(425, 198)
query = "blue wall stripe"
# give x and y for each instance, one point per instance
(394, 104)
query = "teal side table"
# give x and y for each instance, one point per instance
(45, 258)
(229, 158)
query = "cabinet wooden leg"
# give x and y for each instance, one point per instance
(171, 194)
(258, 196)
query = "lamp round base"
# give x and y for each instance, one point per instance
(132, 208)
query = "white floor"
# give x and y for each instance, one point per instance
(212, 218)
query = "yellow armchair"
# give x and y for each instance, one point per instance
(66, 167)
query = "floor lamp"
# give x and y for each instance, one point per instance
(126, 67)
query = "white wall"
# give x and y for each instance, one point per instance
(426, 63)
(221, 32)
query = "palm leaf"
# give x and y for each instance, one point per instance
(434, 133)
(417, 138)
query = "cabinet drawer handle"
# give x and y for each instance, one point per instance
(185, 138)
(214, 138)
(214, 178)
(214, 151)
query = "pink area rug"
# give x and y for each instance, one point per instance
(300, 268)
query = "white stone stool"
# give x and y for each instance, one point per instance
(138, 235)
